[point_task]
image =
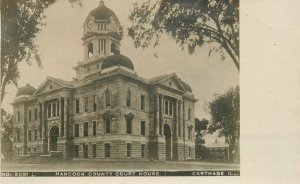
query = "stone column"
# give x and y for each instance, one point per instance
(157, 114)
(40, 120)
(65, 116)
(44, 136)
(61, 114)
(179, 119)
(176, 118)
(163, 112)
(160, 113)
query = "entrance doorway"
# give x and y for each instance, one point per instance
(53, 135)
(168, 137)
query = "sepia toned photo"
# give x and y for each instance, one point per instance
(120, 88)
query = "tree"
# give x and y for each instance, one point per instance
(6, 135)
(190, 22)
(201, 129)
(225, 113)
(21, 21)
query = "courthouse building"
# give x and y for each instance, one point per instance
(107, 111)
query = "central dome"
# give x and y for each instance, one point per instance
(117, 60)
(102, 12)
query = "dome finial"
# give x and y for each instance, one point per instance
(101, 3)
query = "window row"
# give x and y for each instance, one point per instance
(86, 102)
(101, 47)
(168, 107)
(53, 109)
(31, 135)
(107, 127)
(32, 115)
(107, 150)
(107, 103)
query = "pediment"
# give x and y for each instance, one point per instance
(50, 84)
(172, 82)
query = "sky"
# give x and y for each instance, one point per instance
(60, 47)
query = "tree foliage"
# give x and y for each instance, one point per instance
(201, 129)
(21, 21)
(6, 135)
(190, 22)
(225, 112)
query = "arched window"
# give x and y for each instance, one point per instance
(90, 49)
(128, 102)
(107, 98)
(113, 48)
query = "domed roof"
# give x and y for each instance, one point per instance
(102, 12)
(117, 60)
(26, 90)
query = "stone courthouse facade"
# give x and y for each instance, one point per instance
(107, 111)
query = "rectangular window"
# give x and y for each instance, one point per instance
(76, 151)
(190, 151)
(128, 125)
(35, 134)
(58, 109)
(107, 150)
(18, 116)
(86, 104)
(76, 130)
(143, 127)
(107, 125)
(29, 115)
(85, 151)
(94, 128)
(49, 110)
(166, 106)
(29, 135)
(34, 149)
(189, 114)
(94, 103)
(18, 135)
(190, 133)
(128, 149)
(77, 105)
(86, 129)
(143, 150)
(142, 102)
(171, 108)
(54, 109)
(35, 114)
(94, 150)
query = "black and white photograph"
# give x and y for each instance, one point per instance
(129, 88)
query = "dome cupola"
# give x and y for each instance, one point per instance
(26, 90)
(117, 60)
(102, 13)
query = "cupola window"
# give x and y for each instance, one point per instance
(102, 27)
(90, 50)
